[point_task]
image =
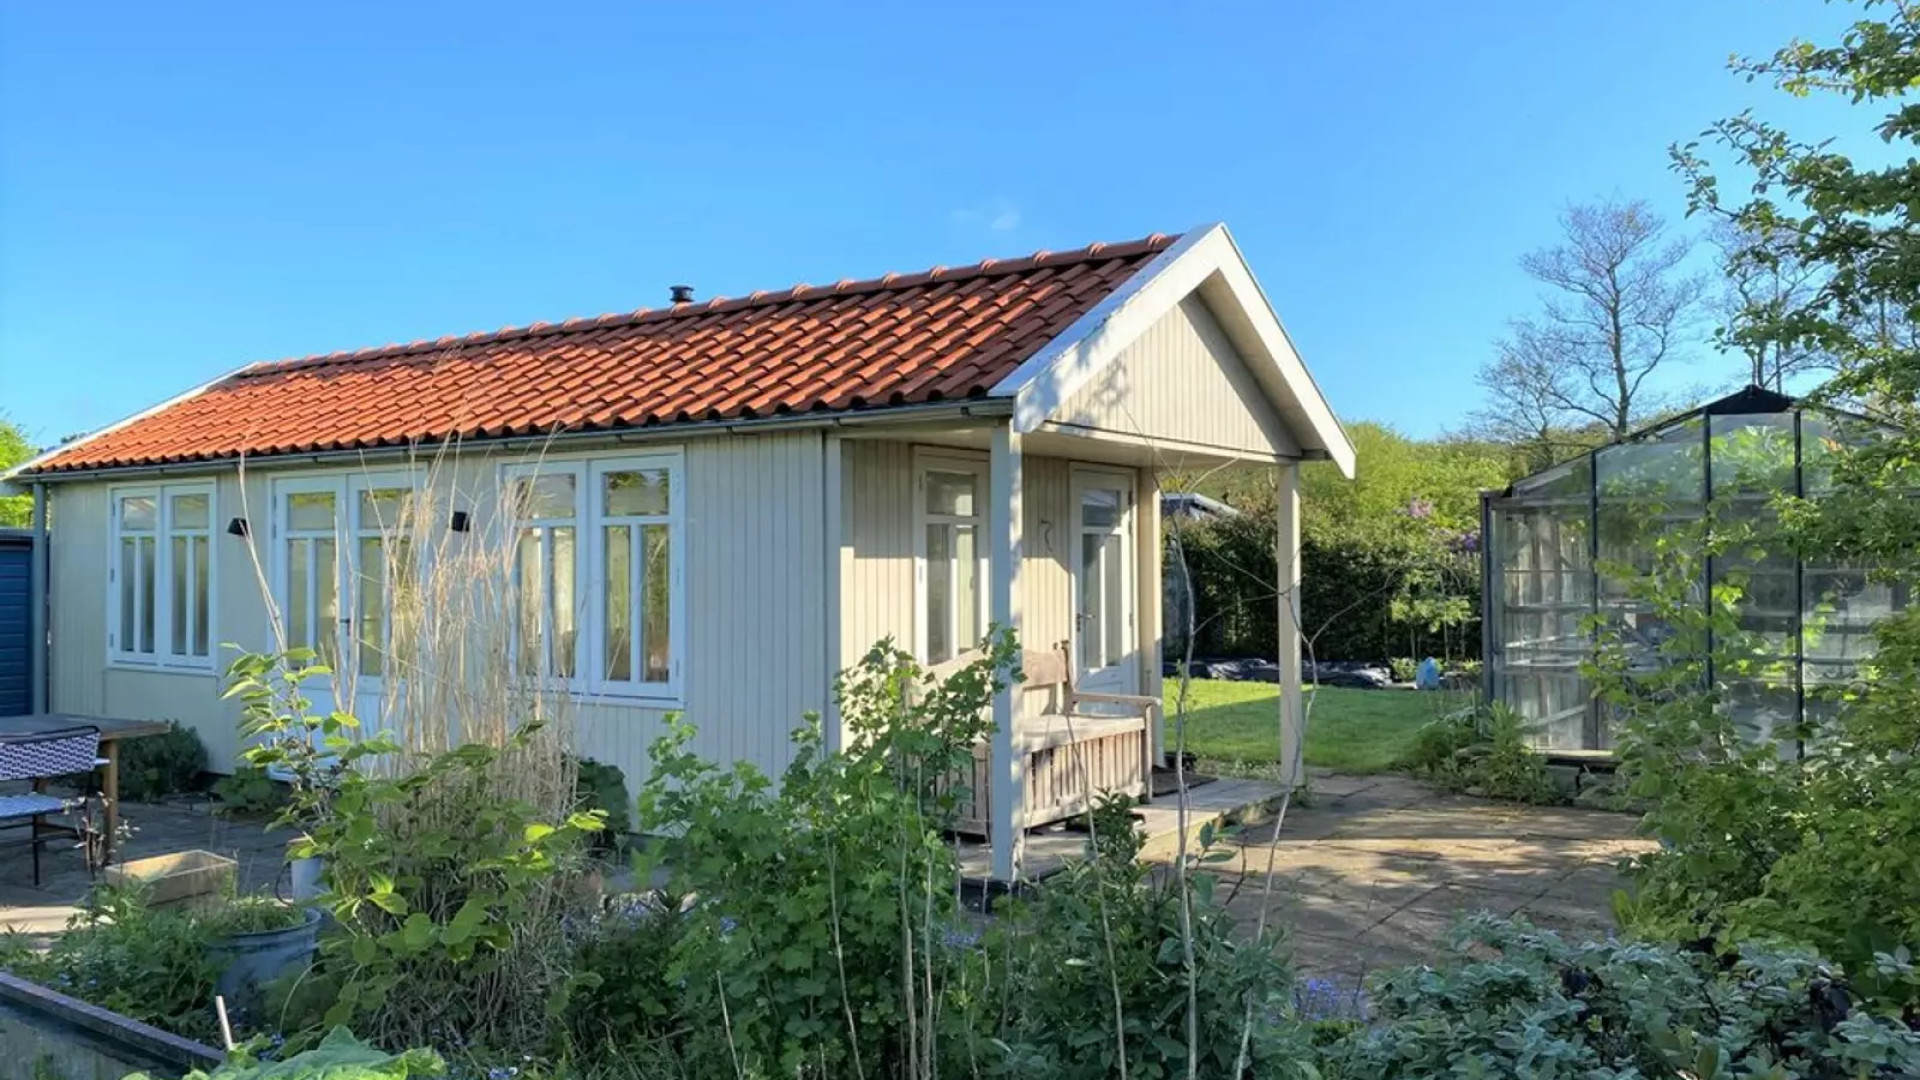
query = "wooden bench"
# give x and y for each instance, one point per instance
(1074, 747)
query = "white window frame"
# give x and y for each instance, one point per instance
(346, 487)
(1125, 481)
(927, 461)
(163, 657)
(589, 580)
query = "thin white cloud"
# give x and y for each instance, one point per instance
(994, 215)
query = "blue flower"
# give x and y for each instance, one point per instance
(960, 937)
(1324, 999)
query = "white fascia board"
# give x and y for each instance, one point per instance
(1322, 425)
(1041, 384)
(1061, 368)
(19, 474)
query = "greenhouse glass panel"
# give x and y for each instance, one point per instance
(1542, 555)
(1755, 665)
(1650, 508)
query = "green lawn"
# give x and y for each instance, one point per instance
(1355, 731)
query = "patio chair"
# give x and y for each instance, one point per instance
(38, 758)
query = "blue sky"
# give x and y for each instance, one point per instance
(185, 188)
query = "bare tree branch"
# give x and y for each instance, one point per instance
(1619, 308)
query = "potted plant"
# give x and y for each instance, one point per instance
(309, 750)
(253, 940)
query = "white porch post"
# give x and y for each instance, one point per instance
(833, 545)
(1151, 589)
(1287, 563)
(1005, 552)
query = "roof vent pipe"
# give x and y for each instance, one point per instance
(682, 294)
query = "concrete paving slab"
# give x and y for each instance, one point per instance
(1376, 872)
(158, 828)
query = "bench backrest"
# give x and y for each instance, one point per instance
(1043, 669)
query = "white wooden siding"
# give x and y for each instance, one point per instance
(755, 661)
(1183, 383)
(755, 657)
(877, 558)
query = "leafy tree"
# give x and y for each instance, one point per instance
(1390, 555)
(1856, 226)
(16, 511)
(1811, 834)
(1763, 277)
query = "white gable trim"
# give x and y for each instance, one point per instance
(18, 476)
(1048, 379)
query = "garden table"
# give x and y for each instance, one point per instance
(111, 733)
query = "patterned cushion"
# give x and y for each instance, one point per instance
(31, 805)
(53, 754)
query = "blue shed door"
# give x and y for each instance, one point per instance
(16, 655)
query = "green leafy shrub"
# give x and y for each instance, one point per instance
(248, 915)
(1484, 751)
(118, 953)
(1403, 668)
(626, 998)
(1096, 966)
(1513, 1001)
(811, 947)
(250, 792)
(603, 788)
(339, 1056)
(450, 874)
(162, 764)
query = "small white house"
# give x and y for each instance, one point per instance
(731, 499)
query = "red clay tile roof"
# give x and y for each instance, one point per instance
(939, 335)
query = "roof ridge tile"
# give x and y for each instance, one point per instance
(890, 281)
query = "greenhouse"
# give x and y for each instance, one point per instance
(1613, 547)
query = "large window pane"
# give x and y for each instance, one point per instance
(371, 618)
(326, 604)
(636, 492)
(1113, 621)
(618, 603)
(190, 512)
(202, 593)
(966, 587)
(531, 593)
(566, 633)
(384, 508)
(939, 593)
(129, 590)
(951, 493)
(137, 514)
(1100, 508)
(179, 572)
(299, 611)
(1090, 601)
(310, 511)
(657, 603)
(145, 629)
(547, 497)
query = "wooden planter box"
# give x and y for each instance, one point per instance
(175, 878)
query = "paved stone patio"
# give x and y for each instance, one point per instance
(1375, 871)
(1372, 872)
(182, 824)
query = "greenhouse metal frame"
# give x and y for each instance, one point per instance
(1563, 551)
